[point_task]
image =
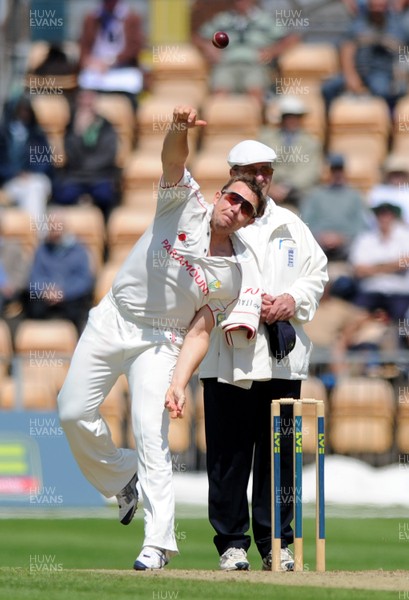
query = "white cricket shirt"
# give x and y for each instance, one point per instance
(168, 274)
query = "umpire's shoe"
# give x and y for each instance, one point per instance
(234, 559)
(286, 560)
(128, 501)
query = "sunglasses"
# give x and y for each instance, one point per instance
(254, 171)
(246, 207)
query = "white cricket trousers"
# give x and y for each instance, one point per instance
(109, 346)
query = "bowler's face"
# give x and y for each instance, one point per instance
(230, 212)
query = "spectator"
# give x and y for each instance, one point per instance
(395, 186)
(26, 164)
(334, 212)
(90, 145)
(380, 261)
(255, 41)
(61, 279)
(111, 40)
(369, 55)
(299, 154)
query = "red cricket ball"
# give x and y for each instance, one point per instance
(220, 39)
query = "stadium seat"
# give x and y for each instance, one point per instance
(233, 113)
(359, 128)
(402, 423)
(359, 144)
(18, 225)
(181, 91)
(18, 394)
(53, 114)
(178, 61)
(43, 350)
(310, 63)
(86, 222)
(219, 145)
(211, 171)
(400, 143)
(362, 416)
(104, 280)
(143, 200)
(401, 117)
(142, 171)
(118, 111)
(125, 226)
(153, 118)
(359, 114)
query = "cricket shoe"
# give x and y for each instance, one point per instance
(150, 558)
(234, 559)
(128, 501)
(286, 559)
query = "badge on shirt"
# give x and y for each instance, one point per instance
(182, 237)
(288, 246)
(214, 285)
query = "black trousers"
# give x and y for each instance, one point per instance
(238, 434)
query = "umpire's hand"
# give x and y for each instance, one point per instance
(277, 308)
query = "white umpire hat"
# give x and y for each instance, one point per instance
(250, 152)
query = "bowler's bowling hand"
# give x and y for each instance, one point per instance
(187, 116)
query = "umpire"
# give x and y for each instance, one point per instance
(237, 419)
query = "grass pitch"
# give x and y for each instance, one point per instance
(57, 559)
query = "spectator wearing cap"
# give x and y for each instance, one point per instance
(237, 419)
(334, 211)
(299, 154)
(380, 261)
(395, 186)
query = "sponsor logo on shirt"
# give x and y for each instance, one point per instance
(190, 268)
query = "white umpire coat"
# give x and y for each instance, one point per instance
(291, 261)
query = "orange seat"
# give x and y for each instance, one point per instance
(362, 416)
(43, 350)
(17, 394)
(118, 111)
(308, 63)
(125, 226)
